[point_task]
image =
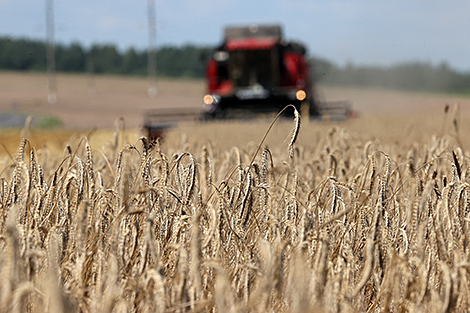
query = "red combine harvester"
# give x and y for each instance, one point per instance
(256, 70)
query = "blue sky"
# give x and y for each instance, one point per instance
(382, 32)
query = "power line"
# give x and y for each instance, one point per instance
(50, 52)
(152, 49)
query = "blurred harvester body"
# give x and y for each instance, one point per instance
(256, 71)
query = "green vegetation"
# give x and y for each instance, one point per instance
(189, 61)
(404, 76)
(48, 122)
(30, 55)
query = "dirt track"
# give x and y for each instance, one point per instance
(85, 103)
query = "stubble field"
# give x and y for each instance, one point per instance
(371, 214)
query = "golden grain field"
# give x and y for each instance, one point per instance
(324, 218)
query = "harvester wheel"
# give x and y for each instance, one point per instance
(213, 116)
(313, 108)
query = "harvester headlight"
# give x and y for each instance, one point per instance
(300, 95)
(211, 103)
(208, 100)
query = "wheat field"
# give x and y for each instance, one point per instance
(336, 221)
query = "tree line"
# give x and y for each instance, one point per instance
(30, 55)
(189, 61)
(416, 75)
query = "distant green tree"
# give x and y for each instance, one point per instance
(185, 61)
(134, 62)
(406, 76)
(320, 68)
(22, 54)
(71, 58)
(106, 59)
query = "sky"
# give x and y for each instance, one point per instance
(361, 32)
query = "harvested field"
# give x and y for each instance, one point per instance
(85, 103)
(372, 214)
(94, 102)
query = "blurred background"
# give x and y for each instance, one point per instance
(418, 46)
(344, 32)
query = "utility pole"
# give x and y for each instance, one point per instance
(50, 52)
(152, 49)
